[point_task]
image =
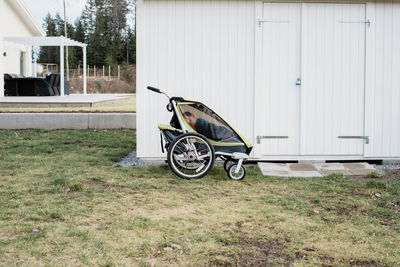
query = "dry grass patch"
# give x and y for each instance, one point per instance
(62, 203)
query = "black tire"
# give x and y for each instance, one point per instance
(183, 156)
(227, 164)
(236, 176)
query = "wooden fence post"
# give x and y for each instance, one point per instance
(109, 72)
(79, 70)
(119, 72)
(103, 73)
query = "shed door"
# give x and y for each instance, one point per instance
(277, 97)
(310, 79)
(333, 64)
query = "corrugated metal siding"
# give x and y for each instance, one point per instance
(383, 80)
(201, 50)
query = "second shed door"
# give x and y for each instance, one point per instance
(310, 63)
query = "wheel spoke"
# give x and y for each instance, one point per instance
(206, 155)
(186, 146)
(179, 156)
(201, 167)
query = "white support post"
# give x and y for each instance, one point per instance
(35, 65)
(84, 71)
(62, 69)
(28, 71)
(34, 69)
(2, 60)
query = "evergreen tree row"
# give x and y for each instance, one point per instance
(103, 25)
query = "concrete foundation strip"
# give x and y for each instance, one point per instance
(52, 121)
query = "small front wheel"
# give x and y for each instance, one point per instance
(191, 156)
(232, 174)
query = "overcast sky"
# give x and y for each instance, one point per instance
(40, 8)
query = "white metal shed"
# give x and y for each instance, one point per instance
(301, 79)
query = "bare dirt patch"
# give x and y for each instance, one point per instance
(105, 84)
(260, 251)
(102, 86)
(390, 176)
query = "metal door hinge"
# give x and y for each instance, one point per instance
(367, 22)
(366, 138)
(270, 137)
(261, 21)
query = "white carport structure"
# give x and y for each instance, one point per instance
(54, 41)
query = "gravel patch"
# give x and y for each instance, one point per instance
(388, 165)
(132, 160)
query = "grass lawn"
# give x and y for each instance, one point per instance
(62, 203)
(122, 106)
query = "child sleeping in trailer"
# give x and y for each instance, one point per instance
(210, 130)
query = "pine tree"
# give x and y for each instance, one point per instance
(103, 25)
(117, 26)
(55, 27)
(49, 54)
(130, 47)
(79, 35)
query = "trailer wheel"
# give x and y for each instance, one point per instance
(236, 176)
(191, 156)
